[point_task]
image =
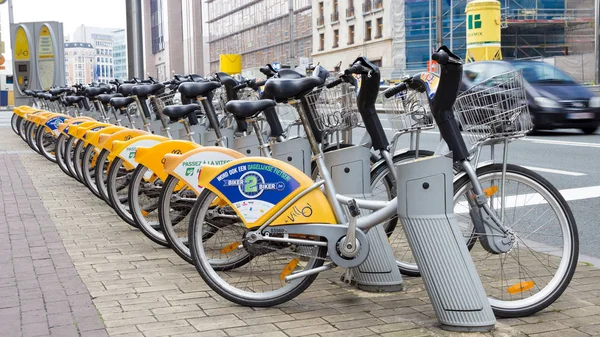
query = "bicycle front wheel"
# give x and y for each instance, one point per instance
(545, 244)
(144, 192)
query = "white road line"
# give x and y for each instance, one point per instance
(532, 199)
(567, 173)
(561, 142)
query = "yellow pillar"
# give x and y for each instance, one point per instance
(483, 30)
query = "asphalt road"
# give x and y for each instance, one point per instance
(567, 158)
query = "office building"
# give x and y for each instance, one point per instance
(79, 63)
(346, 29)
(102, 41)
(120, 54)
(173, 37)
(259, 30)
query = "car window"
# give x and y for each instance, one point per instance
(475, 72)
(541, 72)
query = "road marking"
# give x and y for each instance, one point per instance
(561, 142)
(567, 173)
(532, 199)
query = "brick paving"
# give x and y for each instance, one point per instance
(141, 289)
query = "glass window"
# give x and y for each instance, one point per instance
(379, 28)
(322, 41)
(156, 26)
(351, 34)
(368, 29)
(336, 38)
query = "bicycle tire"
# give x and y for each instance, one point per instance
(61, 145)
(136, 209)
(86, 170)
(77, 161)
(99, 176)
(242, 297)
(14, 122)
(70, 156)
(568, 262)
(23, 128)
(121, 208)
(44, 135)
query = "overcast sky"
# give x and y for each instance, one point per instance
(72, 13)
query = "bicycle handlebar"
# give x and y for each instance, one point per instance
(335, 83)
(395, 90)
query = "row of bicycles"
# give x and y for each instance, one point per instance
(246, 179)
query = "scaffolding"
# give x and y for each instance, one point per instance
(530, 28)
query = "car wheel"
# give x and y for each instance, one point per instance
(590, 130)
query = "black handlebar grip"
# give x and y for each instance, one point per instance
(334, 83)
(440, 57)
(241, 86)
(355, 69)
(395, 90)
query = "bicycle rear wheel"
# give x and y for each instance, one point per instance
(143, 203)
(545, 244)
(247, 273)
(117, 186)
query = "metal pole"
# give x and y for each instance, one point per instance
(430, 28)
(291, 7)
(11, 19)
(597, 33)
(135, 39)
(451, 24)
(439, 24)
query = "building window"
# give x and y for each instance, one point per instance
(321, 41)
(377, 63)
(321, 17)
(335, 16)
(336, 38)
(350, 9)
(368, 29)
(379, 28)
(156, 26)
(351, 34)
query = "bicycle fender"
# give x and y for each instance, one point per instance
(81, 132)
(187, 166)
(126, 149)
(23, 110)
(92, 137)
(258, 188)
(105, 140)
(64, 126)
(37, 118)
(53, 123)
(153, 157)
(73, 128)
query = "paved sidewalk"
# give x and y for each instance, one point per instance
(141, 289)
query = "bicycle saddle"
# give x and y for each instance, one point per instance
(121, 102)
(282, 89)
(289, 73)
(29, 92)
(51, 97)
(195, 89)
(245, 109)
(95, 91)
(73, 99)
(125, 89)
(105, 98)
(58, 91)
(147, 89)
(177, 112)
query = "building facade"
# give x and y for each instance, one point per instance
(346, 29)
(79, 63)
(102, 41)
(259, 30)
(120, 54)
(173, 38)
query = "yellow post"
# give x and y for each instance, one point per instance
(483, 30)
(231, 63)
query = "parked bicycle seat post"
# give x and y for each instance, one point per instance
(425, 208)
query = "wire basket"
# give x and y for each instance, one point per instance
(168, 98)
(407, 111)
(247, 94)
(494, 108)
(333, 109)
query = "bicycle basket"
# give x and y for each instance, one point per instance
(494, 108)
(167, 98)
(333, 109)
(407, 111)
(247, 94)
